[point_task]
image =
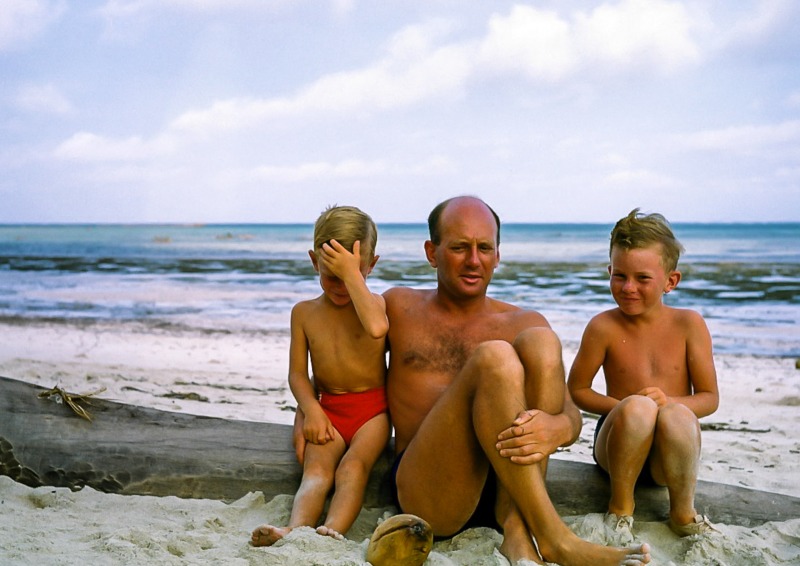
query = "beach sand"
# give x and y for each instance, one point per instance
(750, 441)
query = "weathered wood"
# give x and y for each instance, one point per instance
(137, 450)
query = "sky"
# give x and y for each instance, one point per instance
(218, 111)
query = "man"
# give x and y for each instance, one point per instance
(476, 385)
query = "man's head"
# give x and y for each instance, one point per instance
(434, 218)
(346, 225)
(463, 248)
(637, 231)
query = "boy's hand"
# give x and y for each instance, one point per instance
(656, 394)
(317, 428)
(341, 262)
(298, 438)
(529, 439)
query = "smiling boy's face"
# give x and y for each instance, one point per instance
(639, 280)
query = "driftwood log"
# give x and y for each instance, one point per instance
(135, 450)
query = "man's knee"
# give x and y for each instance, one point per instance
(495, 356)
(540, 346)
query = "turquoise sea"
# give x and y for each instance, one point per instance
(744, 278)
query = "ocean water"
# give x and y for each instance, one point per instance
(743, 278)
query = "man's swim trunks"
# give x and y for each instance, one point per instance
(645, 478)
(483, 516)
(349, 411)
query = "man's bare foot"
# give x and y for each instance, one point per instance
(267, 535)
(329, 532)
(589, 554)
(518, 551)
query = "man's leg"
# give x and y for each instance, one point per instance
(543, 369)
(444, 467)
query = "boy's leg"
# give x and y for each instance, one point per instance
(675, 459)
(309, 501)
(623, 446)
(352, 475)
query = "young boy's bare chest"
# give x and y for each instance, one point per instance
(637, 360)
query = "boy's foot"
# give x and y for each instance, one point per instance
(267, 535)
(621, 527)
(329, 532)
(700, 526)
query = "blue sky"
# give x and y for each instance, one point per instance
(269, 110)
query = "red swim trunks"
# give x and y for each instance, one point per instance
(349, 411)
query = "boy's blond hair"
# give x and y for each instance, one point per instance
(638, 230)
(346, 225)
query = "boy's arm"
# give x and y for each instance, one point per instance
(587, 363)
(704, 399)
(370, 307)
(317, 428)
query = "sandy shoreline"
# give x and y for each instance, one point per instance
(750, 441)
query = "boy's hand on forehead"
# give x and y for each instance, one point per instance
(339, 260)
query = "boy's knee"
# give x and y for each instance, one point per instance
(676, 418)
(637, 413)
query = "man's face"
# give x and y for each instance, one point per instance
(467, 254)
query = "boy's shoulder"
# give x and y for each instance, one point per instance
(306, 305)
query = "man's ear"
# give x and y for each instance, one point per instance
(430, 253)
(313, 257)
(673, 279)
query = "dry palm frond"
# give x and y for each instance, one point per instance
(72, 399)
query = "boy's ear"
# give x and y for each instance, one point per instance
(430, 249)
(313, 257)
(372, 264)
(673, 279)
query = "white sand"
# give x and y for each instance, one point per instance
(243, 376)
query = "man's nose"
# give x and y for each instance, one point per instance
(473, 257)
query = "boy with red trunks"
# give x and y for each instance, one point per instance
(346, 426)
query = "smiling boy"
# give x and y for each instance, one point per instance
(659, 373)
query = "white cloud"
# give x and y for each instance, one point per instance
(351, 168)
(85, 146)
(639, 178)
(638, 33)
(413, 70)
(22, 20)
(629, 35)
(536, 42)
(745, 139)
(43, 98)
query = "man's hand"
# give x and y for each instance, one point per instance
(531, 438)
